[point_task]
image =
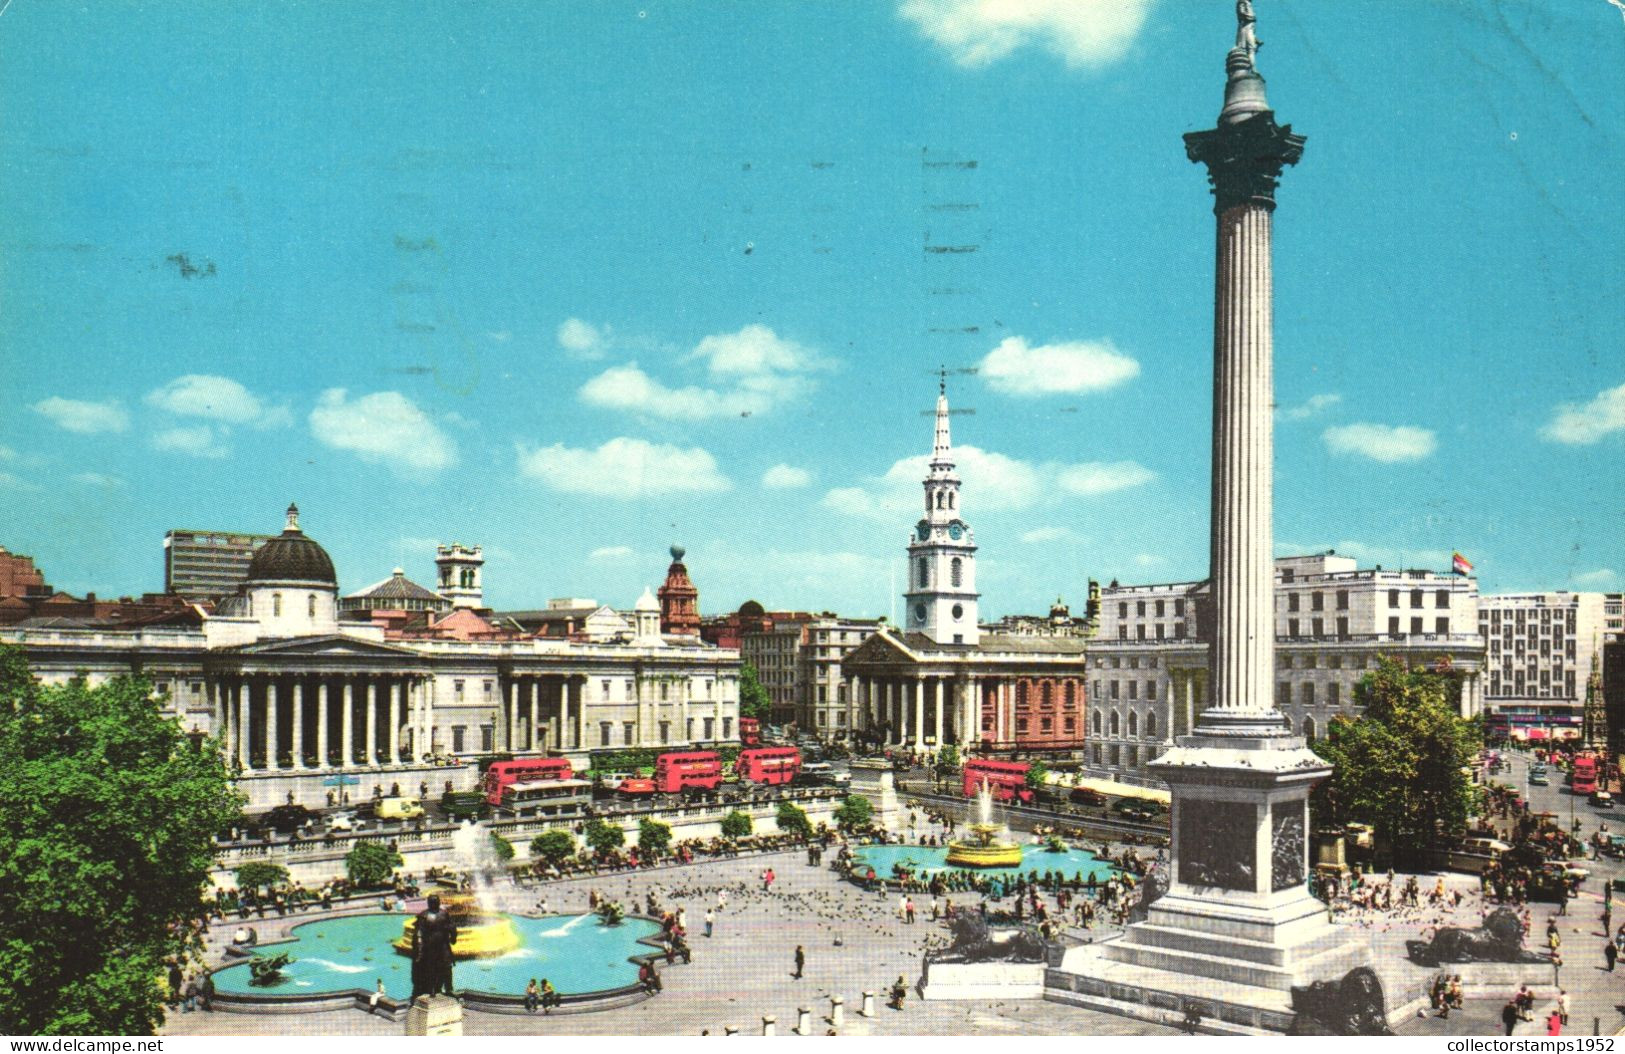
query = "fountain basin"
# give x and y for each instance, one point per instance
(993, 854)
(481, 938)
(924, 861)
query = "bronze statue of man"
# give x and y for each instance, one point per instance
(433, 934)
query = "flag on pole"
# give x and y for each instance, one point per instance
(1459, 564)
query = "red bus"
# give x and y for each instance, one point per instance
(750, 732)
(698, 770)
(1007, 779)
(768, 765)
(1583, 779)
(506, 773)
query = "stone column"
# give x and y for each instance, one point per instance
(245, 704)
(854, 704)
(347, 723)
(535, 693)
(212, 696)
(567, 738)
(397, 696)
(998, 711)
(506, 716)
(324, 718)
(372, 722)
(919, 713)
(298, 722)
(941, 732)
(273, 714)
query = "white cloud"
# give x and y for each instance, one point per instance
(1015, 368)
(217, 399)
(980, 32)
(1103, 477)
(83, 416)
(1039, 535)
(1588, 422)
(1148, 560)
(624, 468)
(384, 427)
(582, 339)
(750, 372)
(786, 477)
(1312, 406)
(999, 484)
(97, 479)
(1386, 443)
(610, 552)
(193, 440)
(1601, 577)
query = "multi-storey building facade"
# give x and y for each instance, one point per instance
(798, 657)
(1539, 649)
(203, 565)
(1148, 677)
(295, 695)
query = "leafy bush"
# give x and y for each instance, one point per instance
(653, 836)
(555, 846)
(855, 813)
(793, 818)
(501, 847)
(736, 824)
(258, 874)
(371, 864)
(604, 837)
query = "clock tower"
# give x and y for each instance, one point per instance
(941, 598)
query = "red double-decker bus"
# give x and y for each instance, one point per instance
(750, 732)
(1006, 779)
(696, 770)
(1583, 778)
(771, 766)
(528, 770)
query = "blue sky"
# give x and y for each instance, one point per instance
(577, 281)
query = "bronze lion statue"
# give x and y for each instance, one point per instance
(1498, 940)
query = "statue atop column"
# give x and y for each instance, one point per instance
(1246, 37)
(432, 938)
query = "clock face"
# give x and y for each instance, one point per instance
(919, 612)
(923, 530)
(959, 612)
(955, 531)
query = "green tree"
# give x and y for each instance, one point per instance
(736, 824)
(653, 836)
(855, 813)
(554, 847)
(1399, 767)
(260, 874)
(107, 818)
(604, 837)
(754, 701)
(793, 819)
(948, 756)
(1037, 774)
(501, 848)
(370, 864)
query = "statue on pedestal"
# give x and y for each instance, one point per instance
(432, 938)
(1246, 37)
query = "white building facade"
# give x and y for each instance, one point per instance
(1539, 650)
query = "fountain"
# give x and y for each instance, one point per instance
(985, 848)
(482, 931)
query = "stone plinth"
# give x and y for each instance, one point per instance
(435, 1015)
(875, 781)
(995, 980)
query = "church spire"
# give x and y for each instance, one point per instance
(942, 447)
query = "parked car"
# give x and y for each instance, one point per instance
(1138, 809)
(1602, 800)
(1486, 846)
(285, 819)
(402, 808)
(1087, 796)
(1539, 778)
(464, 805)
(345, 821)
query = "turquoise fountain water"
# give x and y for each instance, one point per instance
(927, 860)
(575, 952)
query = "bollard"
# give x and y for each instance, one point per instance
(837, 1011)
(770, 1025)
(803, 1021)
(730, 1030)
(868, 1005)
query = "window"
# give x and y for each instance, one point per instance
(1115, 754)
(1045, 694)
(1096, 722)
(1139, 608)
(1283, 693)
(1114, 689)
(1306, 693)
(710, 726)
(1441, 598)
(1334, 694)
(1122, 611)
(1116, 728)
(1159, 609)
(1342, 625)
(457, 734)
(1317, 602)
(1342, 600)
(665, 732)
(1133, 723)
(604, 691)
(310, 605)
(1416, 598)
(1393, 624)
(1071, 726)
(457, 689)
(663, 689)
(956, 572)
(1441, 626)
(1139, 632)
(603, 733)
(1151, 690)
(1179, 630)
(1393, 598)
(1309, 728)
(626, 733)
(1416, 626)
(1292, 627)
(276, 605)
(1071, 694)
(922, 573)
(1292, 602)
(488, 736)
(1318, 627)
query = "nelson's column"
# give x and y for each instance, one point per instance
(1237, 928)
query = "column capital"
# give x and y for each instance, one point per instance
(1244, 160)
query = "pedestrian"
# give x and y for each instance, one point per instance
(205, 993)
(1509, 1015)
(189, 995)
(909, 911)
(550, 996)
(899, 992)
(1610, 953)
(175, 981)
(801, 961)
(1563, 1005)
(710, 921)
(1554, 1024)
(376, 997)
(533, 996)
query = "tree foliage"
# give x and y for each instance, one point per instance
(792, 818)
(855, 813)
(736, 824)
(754, 700)
(261, 874)
(554, 847)
(107, 818)
(371, 864)
(1037, 774)
(653, 836)
(948, 756)
(604, 837)
(501, 848)
(1399, 767)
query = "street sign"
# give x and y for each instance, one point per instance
(340, 781)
